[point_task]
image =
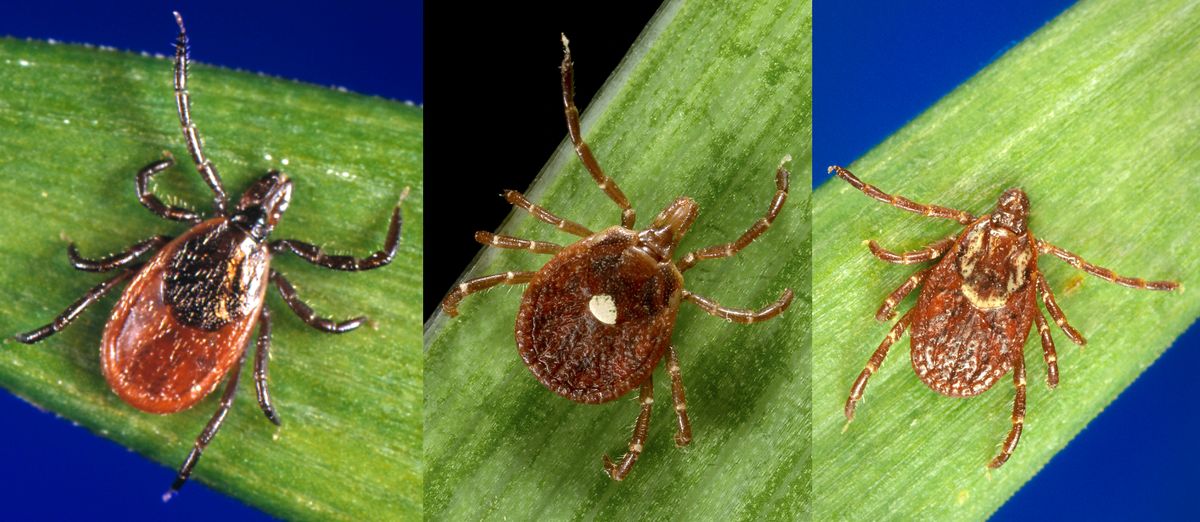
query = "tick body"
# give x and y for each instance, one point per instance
(598, 317)
(184, 321)
(977, 303)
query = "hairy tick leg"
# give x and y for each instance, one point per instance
(860, 384)
(742, 315)
(618, 470)
(479, 284)
(1018, 413)
(900, 202)
(628, 216)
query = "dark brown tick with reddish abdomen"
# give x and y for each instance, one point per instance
(598, 317)
(977, 304)
(184, 321)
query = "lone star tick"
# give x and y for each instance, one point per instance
(977, 304)
(598, 317)
(184, 320)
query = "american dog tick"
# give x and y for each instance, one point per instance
(597, 318)
(184, 321)
(978, 302)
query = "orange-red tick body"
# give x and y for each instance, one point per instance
(186, 318)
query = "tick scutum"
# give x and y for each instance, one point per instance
(184, 322)
(215, 275)
(977, 303)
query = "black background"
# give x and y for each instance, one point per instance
(494, 114)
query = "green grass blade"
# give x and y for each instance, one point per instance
(78, 123)
(1096, 117)
(706, 103)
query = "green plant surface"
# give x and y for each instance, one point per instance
(78, 123)
(1095, 116)
(705, 104)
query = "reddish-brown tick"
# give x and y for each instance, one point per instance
(184, 321)
(598, 317)
(977, 304)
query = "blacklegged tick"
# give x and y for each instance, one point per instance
(186, 317)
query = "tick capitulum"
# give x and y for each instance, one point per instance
(597, 318)
(186, 317)
(977, 304)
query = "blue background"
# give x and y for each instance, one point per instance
(50, 469)
(878, 65)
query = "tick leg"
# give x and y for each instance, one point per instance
(210, 430)
(499, 241)
(479, 284)
(887, 310)
(76, 308)
(902, 203)
(314, 255)
(150, 201)
(262, 354)
(183, 103)
(760, 226)
(860, 384)
(518, 200)
(306, 313)
(683, 433)
(1047, 349)
(1018, 414)
(742, 315)
(618, 470)
(1056, 313)
(1104, 273)
(581, 148)
(929, 253)
(115, 261)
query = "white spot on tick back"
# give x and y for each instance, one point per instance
(603, 308)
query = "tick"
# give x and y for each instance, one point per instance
(186, 316)
(597, 318)
(977, 304)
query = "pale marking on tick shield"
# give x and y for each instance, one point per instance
(983, 303)
(603, 308)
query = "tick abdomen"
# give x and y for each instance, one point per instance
(151, 356)
(597, 317)
(963, 351)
